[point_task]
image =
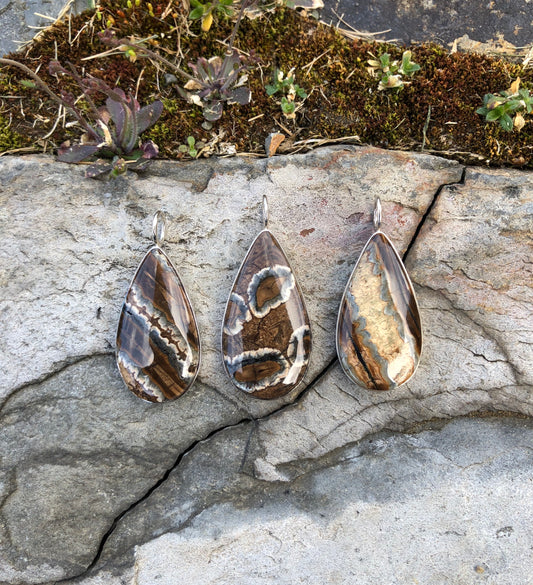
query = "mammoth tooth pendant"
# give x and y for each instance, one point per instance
(266, 338)
(158, 346)
(379, 334)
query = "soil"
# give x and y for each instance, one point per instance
(435, 111)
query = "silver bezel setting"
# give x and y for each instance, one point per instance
(297, 286)
(406, 274)
(157, 248)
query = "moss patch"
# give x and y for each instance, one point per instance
(9, 138)
(343, 100)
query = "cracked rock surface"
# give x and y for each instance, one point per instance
(446, 505)
(89, 471)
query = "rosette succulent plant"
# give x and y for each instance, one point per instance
(112, 131)
(217, 81)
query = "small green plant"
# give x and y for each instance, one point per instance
(392, 73)
(285, 85)
(500, 107)
(206, 11)
(191, 148)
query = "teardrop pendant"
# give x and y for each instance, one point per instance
(379, 333)
(158, 345)
(266, 336)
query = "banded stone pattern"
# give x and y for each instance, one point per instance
(379, 335)
(266, 337)
(158, 347)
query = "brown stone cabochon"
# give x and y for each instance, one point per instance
(266, 337)
(379, 335)
(158, 347)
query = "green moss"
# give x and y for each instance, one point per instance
(9, 138)
(343, 98)
(172, 105)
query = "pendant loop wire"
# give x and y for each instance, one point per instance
(265, 212)
(377, 214)
(159, 227)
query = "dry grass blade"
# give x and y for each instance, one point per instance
(353, 33)
(64, 12)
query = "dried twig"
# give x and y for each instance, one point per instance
(425, 128)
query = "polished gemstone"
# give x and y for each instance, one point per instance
(379, 335)
(266, 338)
(158, 348)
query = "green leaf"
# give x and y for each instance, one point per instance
(482, 111)
(28, 83)
(191, 141)
(408, 67)
(197, 13)
(506, 122)
(495, 114)
(134, 155)
(271, 89)
(411, 69)
(384, 60)
(287, 107)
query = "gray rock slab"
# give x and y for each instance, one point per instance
(76, 451)
(450, 503)
(483, 264)
(471, 263)
(87, 468)
(71, 245)
(20, 20)
(441, 21)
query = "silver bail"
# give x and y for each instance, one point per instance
(159, 227)
(377, 214)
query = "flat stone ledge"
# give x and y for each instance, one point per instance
(79, 450)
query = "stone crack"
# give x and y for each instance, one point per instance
(178, 461)
(519, 376)
(61, 367)
(430, 208)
